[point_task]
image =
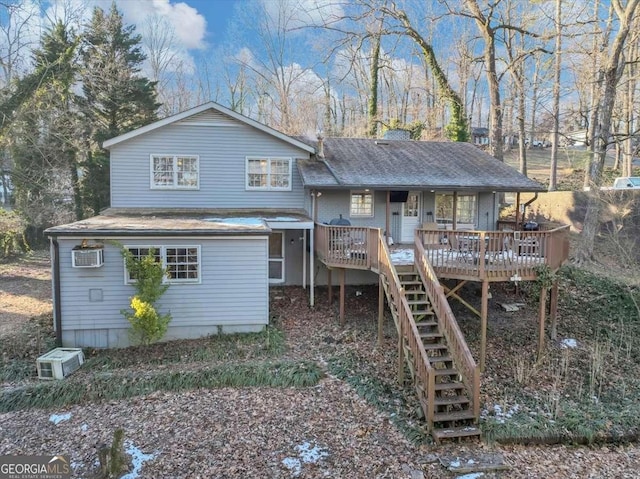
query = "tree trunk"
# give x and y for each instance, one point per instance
(495, 112)
(374, 70)
(611, 75)
(553, 174)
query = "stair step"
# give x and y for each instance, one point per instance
(427, 324)
(418, 302)
(453, 416)
(450, 386)
(415, 292)
(426, 312)
(451, 400)
(447, 372)
(438, 359)
(435, 346)
(453, 432)
(431, 335)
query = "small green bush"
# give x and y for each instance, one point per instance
(147, 325)
(12, 234)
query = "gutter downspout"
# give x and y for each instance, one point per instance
(524, 206)
(57, 311)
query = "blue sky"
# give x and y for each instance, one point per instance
(218, 13)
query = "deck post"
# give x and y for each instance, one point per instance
(400, 348)
(387, 220)
(454, 220)
(380, 309)
(484, 312)
(329, 286)
(342, 275)
(312, 286)
(553, 313)
(542, 313)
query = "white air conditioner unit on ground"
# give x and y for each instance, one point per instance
(59, 363)
(87, 257)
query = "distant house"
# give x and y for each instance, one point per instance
(480, 136)
(576, 138)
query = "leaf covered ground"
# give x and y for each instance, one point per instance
(354, 421)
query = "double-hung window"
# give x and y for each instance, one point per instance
(181, 262)
(361, 203)
(180, 172)
(268, 174)
(465, 209)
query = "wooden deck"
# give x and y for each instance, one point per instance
(430, 341)
(467, 255)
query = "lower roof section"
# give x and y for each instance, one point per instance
(183, 222)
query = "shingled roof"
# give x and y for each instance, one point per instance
(396, 164)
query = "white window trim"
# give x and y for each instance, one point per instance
(268, 187)
(163, 256)
(280, 260)
(476, 211)
(175, 185)
(362, 192)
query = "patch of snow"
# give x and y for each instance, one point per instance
(310, 454)
(283, 218)
(84, 427)
(138, 458)
(402, 256)
(58, 418)
(568, 343)
(245, 221)
(473, 475)
(293, 464)
(500, 415)
(455, 463)
(307, 455)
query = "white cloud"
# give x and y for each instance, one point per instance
(189, 25)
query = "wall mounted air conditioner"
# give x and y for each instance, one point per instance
(87, 257)
(59, 363)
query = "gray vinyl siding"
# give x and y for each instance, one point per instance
(222, 152)
(334, 203)
(233, 292)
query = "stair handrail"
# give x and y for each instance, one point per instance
(462, 357)
(424, 372)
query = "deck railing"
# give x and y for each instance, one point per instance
(347, 246)
(424, 373)
(493, 255)
(460, 352)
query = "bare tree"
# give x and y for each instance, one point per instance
(612, 69)
(553, 173)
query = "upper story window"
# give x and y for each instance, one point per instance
(182, 262)
(269, 173)
(361, 203)
(175, 172)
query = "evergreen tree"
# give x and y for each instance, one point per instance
(117, 98)
(44, 132)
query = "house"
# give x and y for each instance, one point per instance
(220, 199)
(231, 206)
(480, 136)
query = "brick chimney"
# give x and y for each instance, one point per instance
(397, 134)
(320, 148)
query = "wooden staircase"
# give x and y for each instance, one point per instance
(453, 416)
(443, 371)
